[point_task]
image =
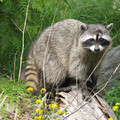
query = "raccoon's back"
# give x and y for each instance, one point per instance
(58, 39)
(52, 50)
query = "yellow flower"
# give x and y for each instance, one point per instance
(117, 104)
(110, 119)
(40, 117)
(43, 90)
(57, 119)
(53, 106)
(50, 106)
(18, 114)
(59, 112)
(38, 101)
(30, 89)
(36, 118)
(115, 108)
(39, 111)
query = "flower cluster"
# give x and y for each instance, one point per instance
(39, 117)
(116, 106)
(42, 112)
(38, 101)
(43, 90)
(18, 114)
(60, 112)
(39, 111)
(114, 109)
(53, 106)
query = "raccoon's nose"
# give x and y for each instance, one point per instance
(97, 49)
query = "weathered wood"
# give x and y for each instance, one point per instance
(97, 109)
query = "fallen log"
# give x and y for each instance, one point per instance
(78, 109)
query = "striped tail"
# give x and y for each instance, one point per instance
(31, 75)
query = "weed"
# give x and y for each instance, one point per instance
(112, 97)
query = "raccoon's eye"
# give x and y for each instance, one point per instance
(88, 42)
(104, 41)
(91, 40)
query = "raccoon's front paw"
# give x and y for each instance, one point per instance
(86, 95)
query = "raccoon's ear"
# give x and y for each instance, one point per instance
(109, 27)
(84, 27)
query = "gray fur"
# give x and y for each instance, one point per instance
(58, 52)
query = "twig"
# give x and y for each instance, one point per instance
(16, 111)
(16, 25)
(43, 99)
(14, 66)
(1, 94)
(2, 103)
(107, 81)
(23, 41)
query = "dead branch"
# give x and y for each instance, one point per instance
(2, 103)
(14, 65)
(23, 41)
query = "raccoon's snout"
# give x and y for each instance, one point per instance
(96, 48)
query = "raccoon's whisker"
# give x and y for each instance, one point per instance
(86, 47)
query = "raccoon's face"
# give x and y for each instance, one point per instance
(96, 37)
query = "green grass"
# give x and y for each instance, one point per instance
(15, 94)
(16, 100)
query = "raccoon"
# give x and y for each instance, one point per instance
(64, 48)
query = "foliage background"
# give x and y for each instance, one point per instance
(40, 16)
